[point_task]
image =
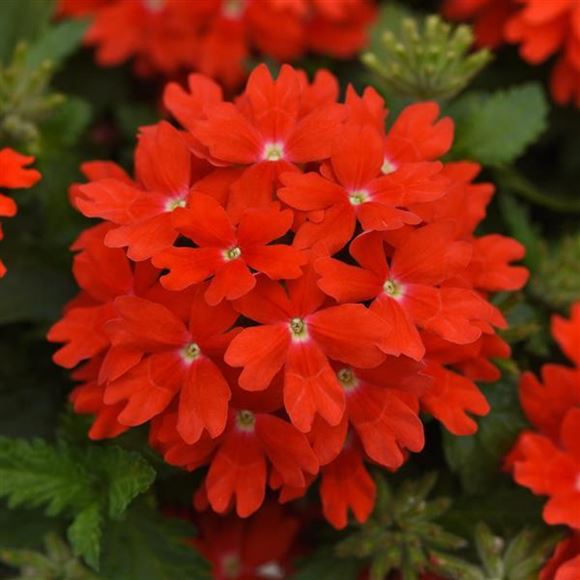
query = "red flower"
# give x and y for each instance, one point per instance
(352, 186)
(183, 359)
(541, 28)
(565, 562)
(550, 469)
(250, 549)
(143, 211)
(226, 252)
(268, 132)
(489, 17)
(13, 175)
(548, 462)
(297, 334)
(346, 485)
(217, 37)
(205, 237)
(408, 290)
(252, 445)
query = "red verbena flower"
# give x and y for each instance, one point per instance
(216, 37)
(547, 460)
(256, 548)
(565, 562)
(13, 175)
(541, 28)
(283, 286)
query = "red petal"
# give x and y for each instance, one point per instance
(311, 387)
(262, 351)
(243, 142)
(310, 191)
(232, 281)
(346, 283)
(151, 325)
(237, 473)
(287, 449)
(277, 262)
(203, 402)
(357, 156)
(205, 222)
(349, 333)
(187, 266)
(268, 303)
(260, 226)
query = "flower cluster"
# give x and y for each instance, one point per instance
(565, 562)
(541, 28)
(283, 287)
(546, 458)
(262, 546)
(216, 37)
(13, 175)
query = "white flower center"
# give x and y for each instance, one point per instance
(393, 289)
(388, 166)
(191, 352)
(358, 197)
(273, 151)
(233, 253)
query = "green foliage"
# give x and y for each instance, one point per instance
(403, 532)
(325, 565)
(557, 280)
(57, 43)
(56, 562)
(496, 128)
(521, 559)
(423, 60)
(85, 484)
(148, 546)
(477, 458)
(22, 20)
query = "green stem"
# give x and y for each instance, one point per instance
(515, 182)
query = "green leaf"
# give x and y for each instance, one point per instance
(476, 459)
(495, 129)
(127, 473)
(34, 473)
(85, 534)
(57, 43)
(147, 546)
(517, 218)
(22, 20)
(66, 125)
(87, 484)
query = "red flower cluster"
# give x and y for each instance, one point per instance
(261, 546)
(547, 459)
(565, 562)
(13, 175)
(541, 28)
(282, 287)
(217, 37)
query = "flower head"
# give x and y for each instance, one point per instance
(282, 287)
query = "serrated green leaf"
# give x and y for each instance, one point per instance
(86, 484)
(495, 129)
(476, 458)
(148, 546)
(57, 43)
(85, 534)
(34, 473)
(128, 475)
